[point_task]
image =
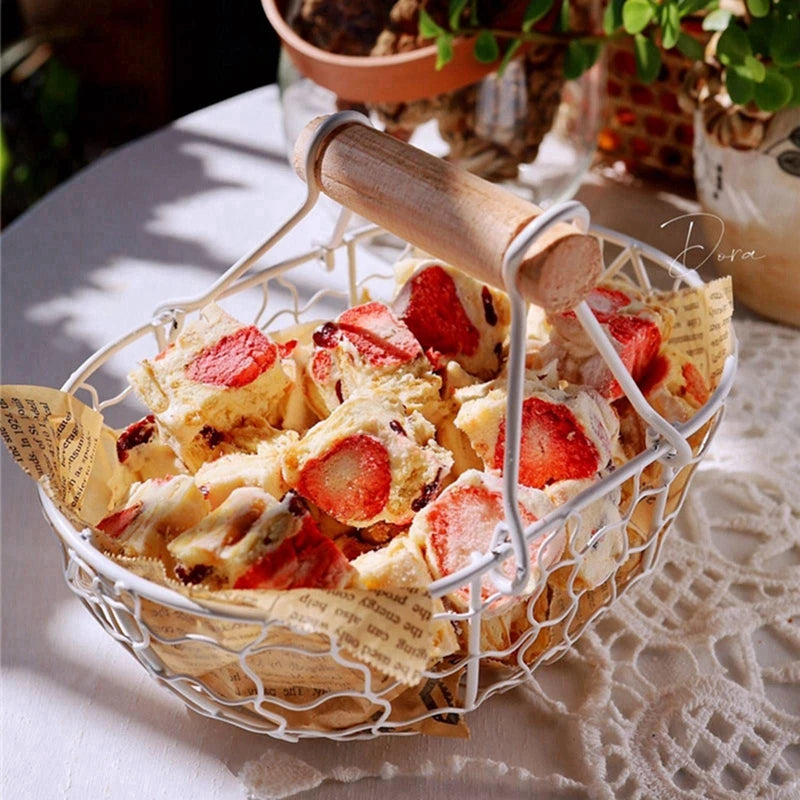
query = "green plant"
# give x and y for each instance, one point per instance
(757, 50)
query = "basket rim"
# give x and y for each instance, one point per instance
(79, 543)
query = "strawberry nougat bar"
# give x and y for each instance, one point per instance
(220, 377)
(567, 434)
(369, 461)
(253, 541)
(367, 349)
(453, 316)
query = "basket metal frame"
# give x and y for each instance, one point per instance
(114, 595)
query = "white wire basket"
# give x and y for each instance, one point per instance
(549, 619)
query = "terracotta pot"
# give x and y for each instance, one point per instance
(751, 199)
(380, 79)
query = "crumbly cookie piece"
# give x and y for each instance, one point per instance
(401, 565)
(253, 541)
(369, 461)
(155, 512)
(566, 433)
(218, 377)
(454, 317)
(367, 349)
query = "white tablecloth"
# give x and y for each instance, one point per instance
(709, 647)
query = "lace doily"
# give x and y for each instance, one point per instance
(688, 687)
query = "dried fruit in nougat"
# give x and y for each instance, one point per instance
(155, 513)
(453, 316)
(143, 454)
(368, 349)
(368, 462)
(637, 327)
(253, 541)
(566, 434)
(217, 378)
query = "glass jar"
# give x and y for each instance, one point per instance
(528, 129)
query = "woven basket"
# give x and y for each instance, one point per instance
(647, 129)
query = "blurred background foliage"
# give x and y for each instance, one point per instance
(80, 78)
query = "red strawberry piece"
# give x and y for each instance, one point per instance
(287, 348)
(306, 560)
(604, 303)
(462, 521)
(553, 448)
(433, 312)
(640, 340)
(235, 360)
(656, 372)
(378, 335)
(114, 525)
(321, 365)
(351, 482)
(695, 386)
(138, 433)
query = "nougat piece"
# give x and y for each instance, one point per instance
(155, 512)
(253, 541)
(367, 349)
(401, 565)
(295, 347)
(218, 377)
(462, 519)
(636, 324)
(674, 386)
(598, 523)
(143, 454)
(369, 461)
(218, 478)
(566, 433)
(454, 317)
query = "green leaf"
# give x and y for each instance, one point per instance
(688, 7)
(648, 58)
(759, 32)
(455, 11)
(774, 92)
(671, 26)
(758, 8)
(563, 16)
(740, 88)
(511, 51)
(5, 158)
(612, 16)
(785, 42)
(592, 50)
(486, 48)
(793, 76)
(574, 60)
(690, 47)
(717, 20)
(755, 68)
(428, 28)
(536, 10)
(444, 50)
(733, 45)
(636, 15)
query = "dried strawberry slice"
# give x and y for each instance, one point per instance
(604, 303)
(138, 433)
(114, 525)
(554, 446)
(461, 522)
(321, 366)
(351, 482)
(435, 315)
(304, 561)
(640, 340)
(235, 360)
(696, 386)
(381, 338)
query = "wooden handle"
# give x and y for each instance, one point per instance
(456, 217)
